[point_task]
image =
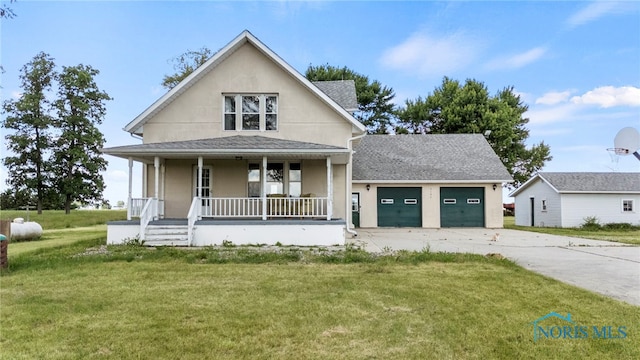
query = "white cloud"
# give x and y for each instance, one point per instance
(15, 95)
(554, 97)
(565, 112)
(518, 60)
(524, 97)
(609, 96)
(594, 11)
(426, 55)
(117, 176)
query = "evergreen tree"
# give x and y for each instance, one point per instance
(375, 109)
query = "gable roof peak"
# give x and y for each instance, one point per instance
(136, 126)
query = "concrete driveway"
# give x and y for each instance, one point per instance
(608, 268)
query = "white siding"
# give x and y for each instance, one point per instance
(539, 190)
(606, 207)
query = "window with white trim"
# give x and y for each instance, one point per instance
(257, 112)
(627, 205)
(281, 176)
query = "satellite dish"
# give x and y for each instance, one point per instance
(627, 141)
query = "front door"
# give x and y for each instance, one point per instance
(355, 209)
(532, 211)
(205, 192)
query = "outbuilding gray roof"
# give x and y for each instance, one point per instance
(429, 158)
(342, 91)
(593, 181)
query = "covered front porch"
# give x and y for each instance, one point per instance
(221, 190)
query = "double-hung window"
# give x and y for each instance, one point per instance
(282, 178)
(257, 112)
(627, 205)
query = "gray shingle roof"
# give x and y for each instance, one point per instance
(593, 181)
(228, 147)
(226, 144)
(342, 91)
(446, 157)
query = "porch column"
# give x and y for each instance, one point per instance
(329, 189)
(200, 165)
(263, 192)
(129, 196)
(156, 167)
(163, 170)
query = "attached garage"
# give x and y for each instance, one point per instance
(399, 207)
(427, 181)
(462, 207)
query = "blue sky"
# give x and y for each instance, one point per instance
(575, 64)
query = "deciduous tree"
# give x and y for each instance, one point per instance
(6, 12)
(184, 65)
(77, 159)
(468, 108)
(29, 118)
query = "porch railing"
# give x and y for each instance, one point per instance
(135, 207)
(137, 204)
(277, 207)
(231, 207)
(193, 216)
(149, 212)
(303, 207)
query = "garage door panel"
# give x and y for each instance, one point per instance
(399, 207)
(462, 207)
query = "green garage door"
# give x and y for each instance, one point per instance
(399, 207)
(461, 207)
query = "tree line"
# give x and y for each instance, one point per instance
(54, 140)
(453, 107)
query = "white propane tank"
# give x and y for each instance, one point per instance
(21, 230)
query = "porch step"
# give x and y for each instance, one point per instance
(167, 235)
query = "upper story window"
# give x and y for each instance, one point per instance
(250, 112)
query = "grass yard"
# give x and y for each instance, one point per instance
(622, 236)
(87, 301)
(57, 238)
(57, 219)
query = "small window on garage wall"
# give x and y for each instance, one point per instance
(627, 205)
(449, 201)
(544, 205)
(473, 201)
(386, 201)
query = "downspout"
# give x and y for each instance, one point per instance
(348, 182)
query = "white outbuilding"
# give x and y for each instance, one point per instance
(567, 199)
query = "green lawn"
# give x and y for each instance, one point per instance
(84, 301)
(58, 237)
(623, 236)
(57, 219)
